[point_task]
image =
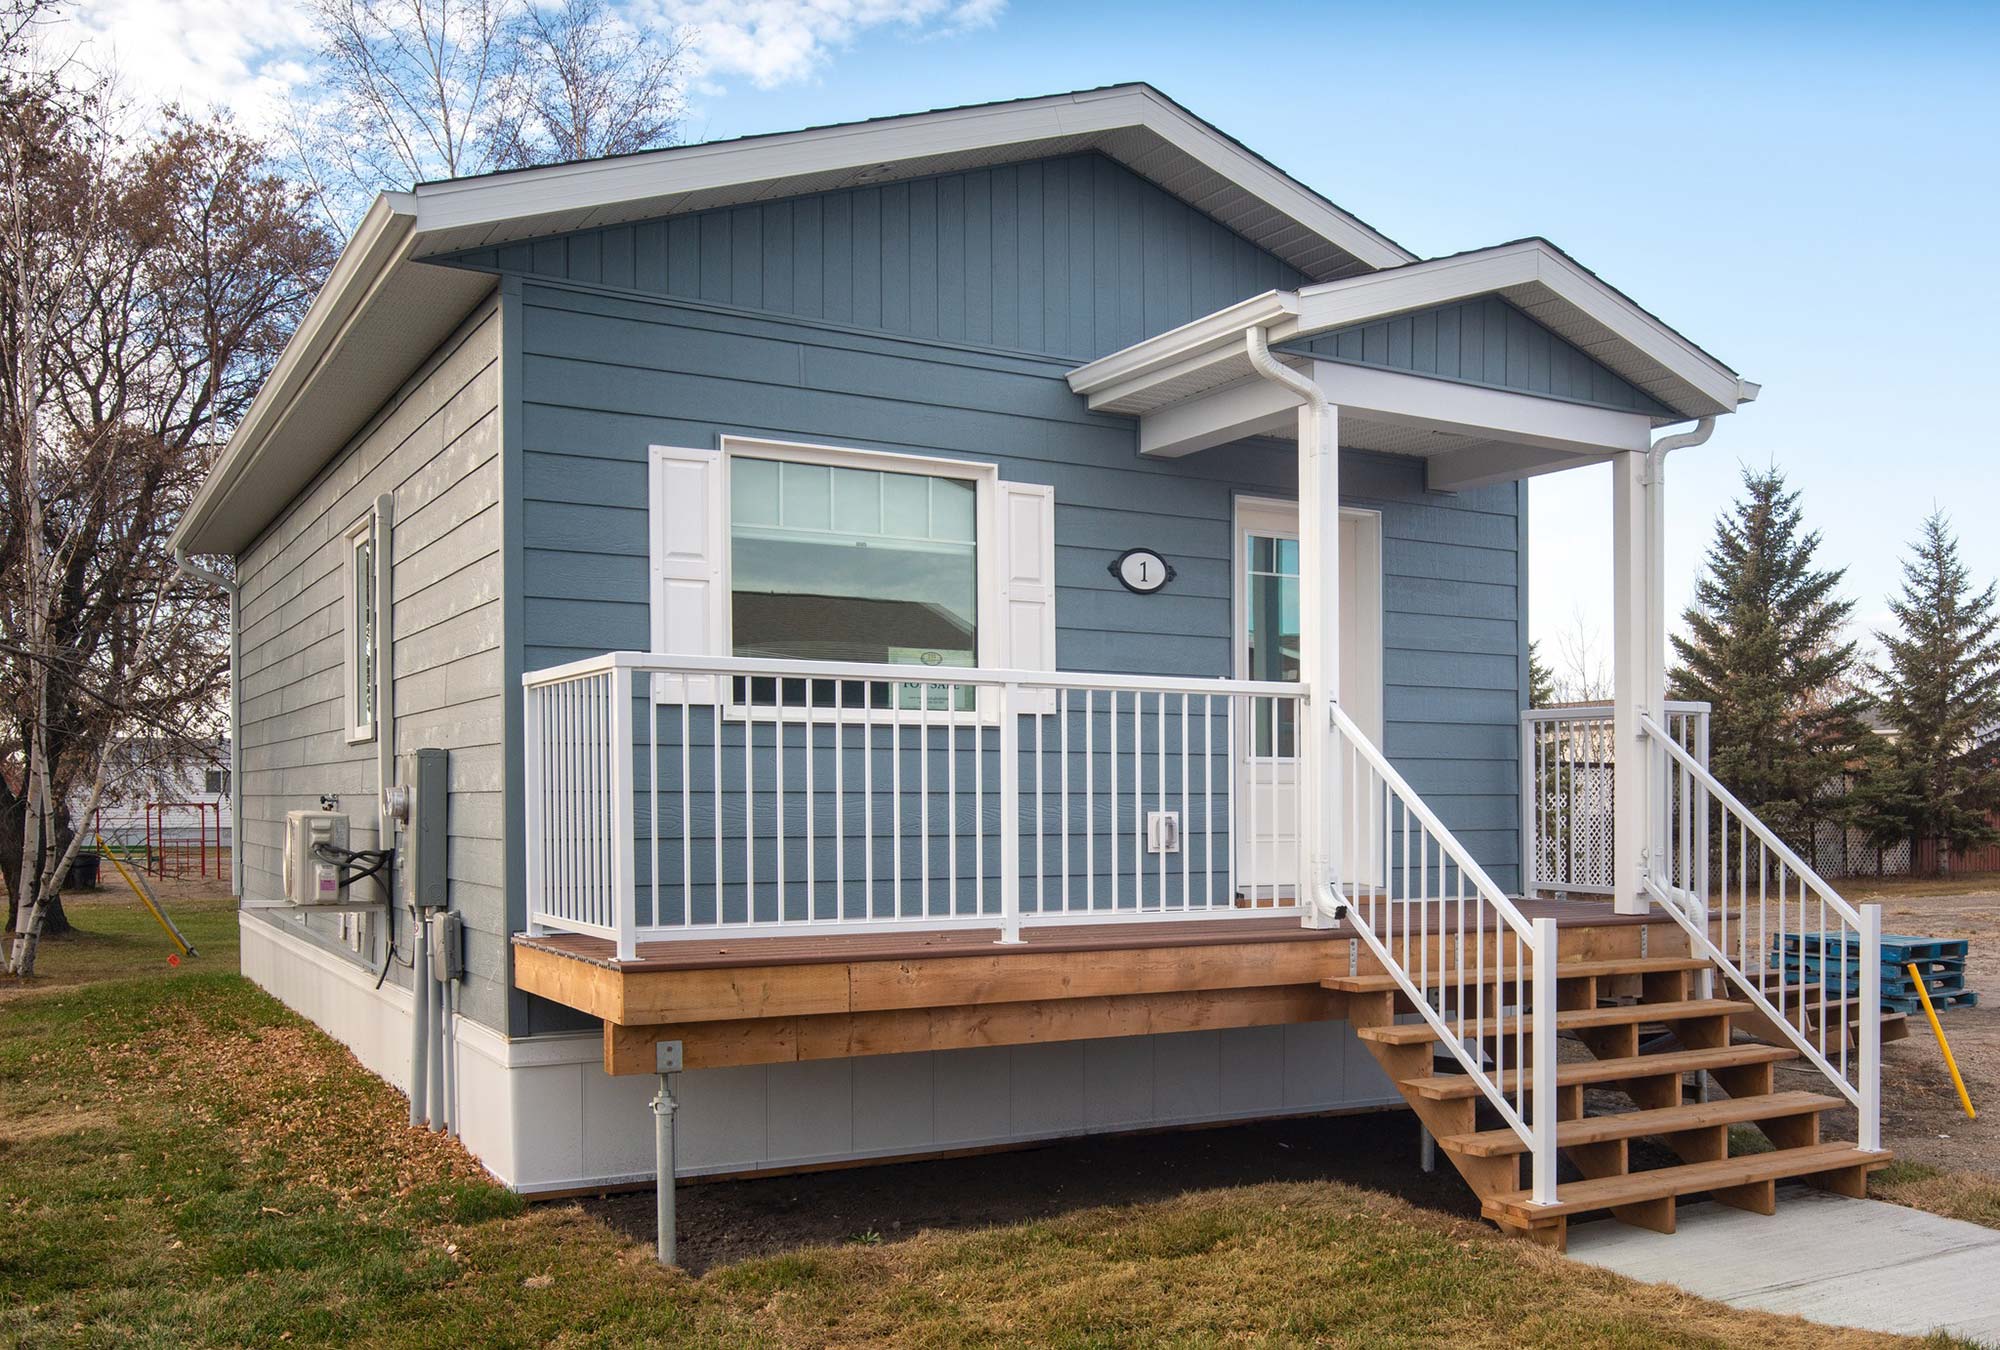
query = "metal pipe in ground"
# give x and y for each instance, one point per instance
(667, 1060)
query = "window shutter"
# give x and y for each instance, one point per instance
(688, 539)
(1028, 576)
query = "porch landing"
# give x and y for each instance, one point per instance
(763, 1000)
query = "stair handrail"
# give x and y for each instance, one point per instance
(1691, 910)
(1534, 1059)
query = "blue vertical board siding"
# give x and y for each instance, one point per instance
(603, 377)
(1074, 256)
(1485, 341)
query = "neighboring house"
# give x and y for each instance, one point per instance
(912, 608)
(178, 792)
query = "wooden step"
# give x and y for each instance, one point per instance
(1639, 1124)
(1574, 1197)
(1456, 1087)
(1416, 1033)
(1382, 981)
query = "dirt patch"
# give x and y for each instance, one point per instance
(54, 1125)
(727, 1221)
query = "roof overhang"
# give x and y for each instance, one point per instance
(1193, 387)
(383, 309)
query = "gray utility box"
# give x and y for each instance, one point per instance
(424, 777)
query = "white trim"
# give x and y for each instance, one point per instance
(1156, 372)
(362, 531)
(593, 191)
(1473, 410)
(983, 475)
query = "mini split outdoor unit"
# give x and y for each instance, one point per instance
(310, 879)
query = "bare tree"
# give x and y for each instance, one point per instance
(1581, 670)
(404, 97)
(149, 285)
(412, 91)
(583, 83)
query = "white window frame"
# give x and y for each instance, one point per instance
(360, 721)
(984, 477)
(991, 615)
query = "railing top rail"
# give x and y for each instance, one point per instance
(1578, 712)
(1749, 820)
(980, 676)
(1447, 841)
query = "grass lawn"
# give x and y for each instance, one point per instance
(183, 1162)
(116, 938)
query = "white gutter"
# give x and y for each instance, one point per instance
(1319, 553)
(228, 586)
(1656, 560)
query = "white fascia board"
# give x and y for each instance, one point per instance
(595, 185)
(380, 244)
(1473, 410)
(1180, 351)
(1255, 408)
(1341, 304)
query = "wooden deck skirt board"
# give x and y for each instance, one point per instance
(760, 1000)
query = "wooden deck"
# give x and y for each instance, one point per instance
(763, 1000)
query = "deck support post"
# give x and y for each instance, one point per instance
(1638, 673)
(1869, 1134)
(667, 1058)
(1543, 1062)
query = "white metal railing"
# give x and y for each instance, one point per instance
(1802, 955)
(693, 797)
(1466, 957)
(1568, 761)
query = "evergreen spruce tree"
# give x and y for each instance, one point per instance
(1541, 680)
(1940, 693)
(1765, 645)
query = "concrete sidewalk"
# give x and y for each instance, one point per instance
(1855, 1263)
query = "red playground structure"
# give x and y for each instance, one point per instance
(173, 849)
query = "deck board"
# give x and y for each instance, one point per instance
(918, 944)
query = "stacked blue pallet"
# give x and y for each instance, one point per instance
(1832, 961)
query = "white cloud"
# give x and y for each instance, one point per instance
(240, 55)
(247, 56)
(774, 42)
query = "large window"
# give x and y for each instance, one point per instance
(832, 563)
(360, 573)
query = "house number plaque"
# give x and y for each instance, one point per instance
(1141, 571)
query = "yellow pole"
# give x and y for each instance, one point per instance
(153, 908)
(1938, 1031)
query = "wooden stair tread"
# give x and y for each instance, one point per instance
(1638, 1124)
(1453, 1087)
(1573, 1197)
(1381, 982)
(1416, 1033)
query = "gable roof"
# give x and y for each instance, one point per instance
(1133, 124)
(1532, 274)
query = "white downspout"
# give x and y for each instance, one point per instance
(1319, 608)
(228, 587)
(1656, 560)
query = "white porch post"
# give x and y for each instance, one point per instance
(1319, 646)
(1639, 676)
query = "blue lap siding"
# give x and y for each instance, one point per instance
(603, 376)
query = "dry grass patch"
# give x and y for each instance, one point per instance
(1972, 1196)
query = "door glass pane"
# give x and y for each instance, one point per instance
(830, 563)
(1271, 627)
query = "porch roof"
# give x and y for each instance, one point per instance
(1193, 386)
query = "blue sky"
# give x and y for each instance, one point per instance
(1810, 192)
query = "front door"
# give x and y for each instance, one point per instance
(1267, 648)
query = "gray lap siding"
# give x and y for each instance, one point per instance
(436, 448)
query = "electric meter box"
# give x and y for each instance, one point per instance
(310, 880)
(420, 807)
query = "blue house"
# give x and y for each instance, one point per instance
(972, 627)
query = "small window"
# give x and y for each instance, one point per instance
(832, 563)
(361, 632)
(215, 782)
